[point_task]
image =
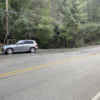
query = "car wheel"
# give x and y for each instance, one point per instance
(32, 50)
(9, 51)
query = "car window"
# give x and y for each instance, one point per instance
(20, 42)
(28, 42)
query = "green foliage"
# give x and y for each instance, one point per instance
(73, 14)
(45, 29)
(77, 20)
(20, 5)
(22, 24)
(94, 11)
(91, 31)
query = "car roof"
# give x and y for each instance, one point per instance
(26, 40)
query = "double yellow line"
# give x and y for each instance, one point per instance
(40, 66)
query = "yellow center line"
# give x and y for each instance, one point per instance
(45, 65)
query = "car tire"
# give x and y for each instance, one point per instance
(32, 50)
(9, 51)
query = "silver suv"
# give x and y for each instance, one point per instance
(20, 46)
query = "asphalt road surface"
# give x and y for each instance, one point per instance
(53, 74)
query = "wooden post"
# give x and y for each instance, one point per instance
(7, 17)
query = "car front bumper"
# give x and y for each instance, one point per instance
(3, 50)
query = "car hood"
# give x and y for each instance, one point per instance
(6, 46)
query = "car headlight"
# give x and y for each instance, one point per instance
(4, 47)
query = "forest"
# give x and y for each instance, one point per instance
(52, 23)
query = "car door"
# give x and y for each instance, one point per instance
(27, 45)
(19, 46)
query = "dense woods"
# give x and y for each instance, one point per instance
(52, 23)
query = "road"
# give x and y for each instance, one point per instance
(53, 74)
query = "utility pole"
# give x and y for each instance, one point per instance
(7, 17)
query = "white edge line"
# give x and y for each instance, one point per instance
(96, 97)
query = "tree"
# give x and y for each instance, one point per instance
(93, 25)
(73, 18)
(45, 30)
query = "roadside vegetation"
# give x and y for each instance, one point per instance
(52, 23)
